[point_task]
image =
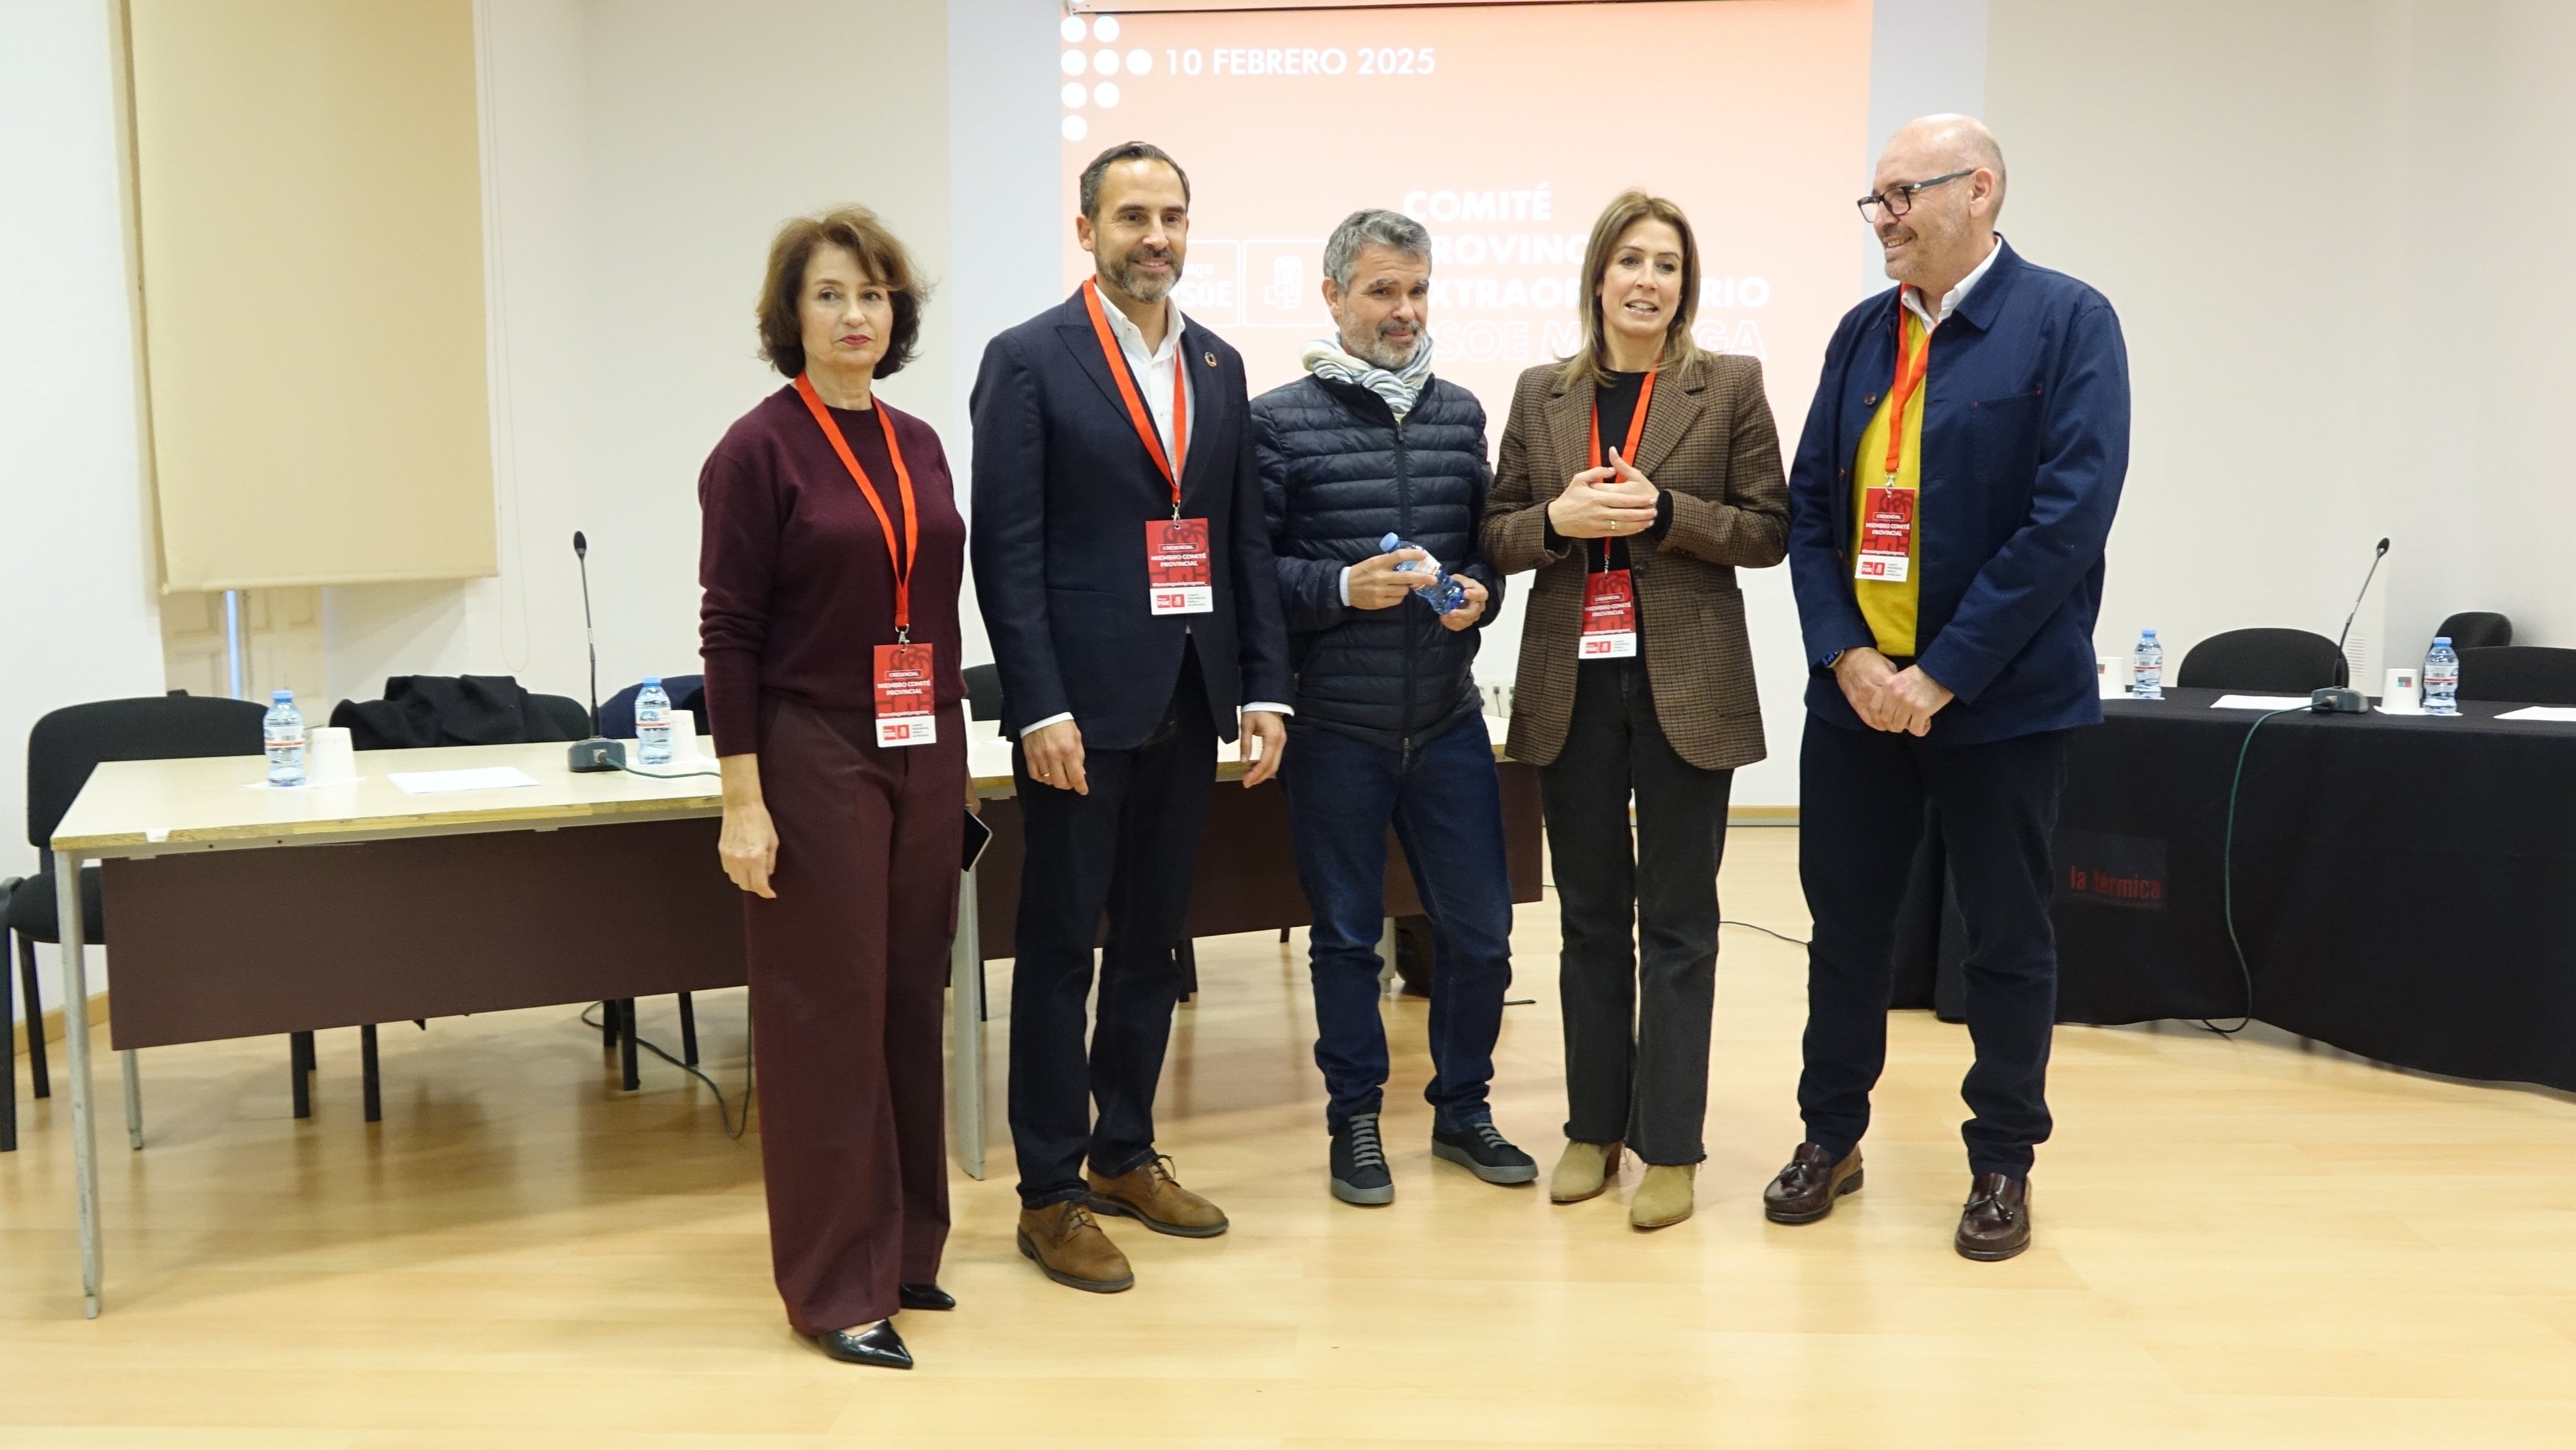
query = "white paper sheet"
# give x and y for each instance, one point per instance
(434, 782)
(2261, 702)
(2559, 713)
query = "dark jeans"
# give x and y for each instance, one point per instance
(1445, 801)
(1860, 811)
(1129, 848)
(1636, 1016)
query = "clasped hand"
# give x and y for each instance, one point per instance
(1887, 698)
(1605, 503)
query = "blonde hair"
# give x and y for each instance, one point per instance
(1625, 210)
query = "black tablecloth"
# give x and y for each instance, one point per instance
(2405, 885)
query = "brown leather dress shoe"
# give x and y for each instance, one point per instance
(1805, 1190)
(1153, 1197)
(1996, 1223)
(1068, 1247)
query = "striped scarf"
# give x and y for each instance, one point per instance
(1401, 388)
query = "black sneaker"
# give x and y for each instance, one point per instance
(1359, 1163)
(1484, 1152)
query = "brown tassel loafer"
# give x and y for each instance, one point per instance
(1805, 1190)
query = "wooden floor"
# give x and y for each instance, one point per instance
(2240, 1244)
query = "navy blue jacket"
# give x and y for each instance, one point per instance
(1338, 474)
(2025, 445)
(1063, 488)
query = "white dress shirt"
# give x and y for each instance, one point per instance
(1153, 370)
(1913, 296)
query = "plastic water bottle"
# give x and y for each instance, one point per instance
(2149, 667)
(2442, 678)
(1443, 597)
(653, 722)
(283, 731)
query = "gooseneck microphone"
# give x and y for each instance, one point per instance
(596, 753)
(2343, 667)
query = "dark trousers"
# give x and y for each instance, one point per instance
(1860, 811)
(1445, 802)
(1129, 849)
(847, 969)
(1637, 1013)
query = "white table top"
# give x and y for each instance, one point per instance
(145, 807)
(142, 807)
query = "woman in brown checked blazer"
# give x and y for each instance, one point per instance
(1636, 680)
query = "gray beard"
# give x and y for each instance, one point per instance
(1377, 352)
(1144, 289)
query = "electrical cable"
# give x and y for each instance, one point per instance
(733, 1129)
(1795, 941)
(668, 774)
(2227, 869)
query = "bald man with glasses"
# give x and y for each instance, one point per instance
(1949, 505)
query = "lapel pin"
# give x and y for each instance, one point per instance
(1210, 358)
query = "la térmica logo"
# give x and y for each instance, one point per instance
(1092, 63)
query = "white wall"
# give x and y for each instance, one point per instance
(2481, 368)
(2318, 219)
(77, 581)
(639, 154)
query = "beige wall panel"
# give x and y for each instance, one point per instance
(310, 201)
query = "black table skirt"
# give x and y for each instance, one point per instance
(2405, 886)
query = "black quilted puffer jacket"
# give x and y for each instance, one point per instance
(1338, 473)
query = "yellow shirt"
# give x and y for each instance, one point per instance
(1890, 608)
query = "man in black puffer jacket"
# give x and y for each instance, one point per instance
(1389, 726)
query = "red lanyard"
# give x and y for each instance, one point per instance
(1136, 404)
(901, 559)
(1902, 390)
(1636, 430)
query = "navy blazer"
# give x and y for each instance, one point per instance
(2025, 446)
(1063, 489)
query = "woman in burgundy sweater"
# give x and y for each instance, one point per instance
(831, 540)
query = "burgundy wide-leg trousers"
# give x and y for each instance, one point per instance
(847, 969)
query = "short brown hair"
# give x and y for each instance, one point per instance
(782, 327)
(1624, 211)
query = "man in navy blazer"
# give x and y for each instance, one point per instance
(1125, 576)
(1949, 506)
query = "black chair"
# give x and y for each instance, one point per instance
(2262, 662)
(2525, 674)
(62, 750)
(2476, 629)
(570, 715)
(984, 692)
(687, 692)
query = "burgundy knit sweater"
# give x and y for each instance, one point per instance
(798, 585)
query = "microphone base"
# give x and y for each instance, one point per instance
(597, 754)
(2338, 701)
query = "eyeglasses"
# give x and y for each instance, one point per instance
(1898, 200)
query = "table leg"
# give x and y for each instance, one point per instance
(966, 1029)
(67, 911)
(133, 1072)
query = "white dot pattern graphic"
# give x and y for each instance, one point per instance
(1075, 128)
(1075, 63)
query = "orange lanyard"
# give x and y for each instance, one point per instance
(1136, 413)
(901, 559)
(1908, 379)
(1636, 430)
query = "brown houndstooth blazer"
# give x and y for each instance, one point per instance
(1710, 443)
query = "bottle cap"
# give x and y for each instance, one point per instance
(1388, 544)
(2150, 634)
(652, 682)
(281, 697)
(2441, 641)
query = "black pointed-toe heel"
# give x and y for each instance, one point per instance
(924, 1296)
(876, 1345)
